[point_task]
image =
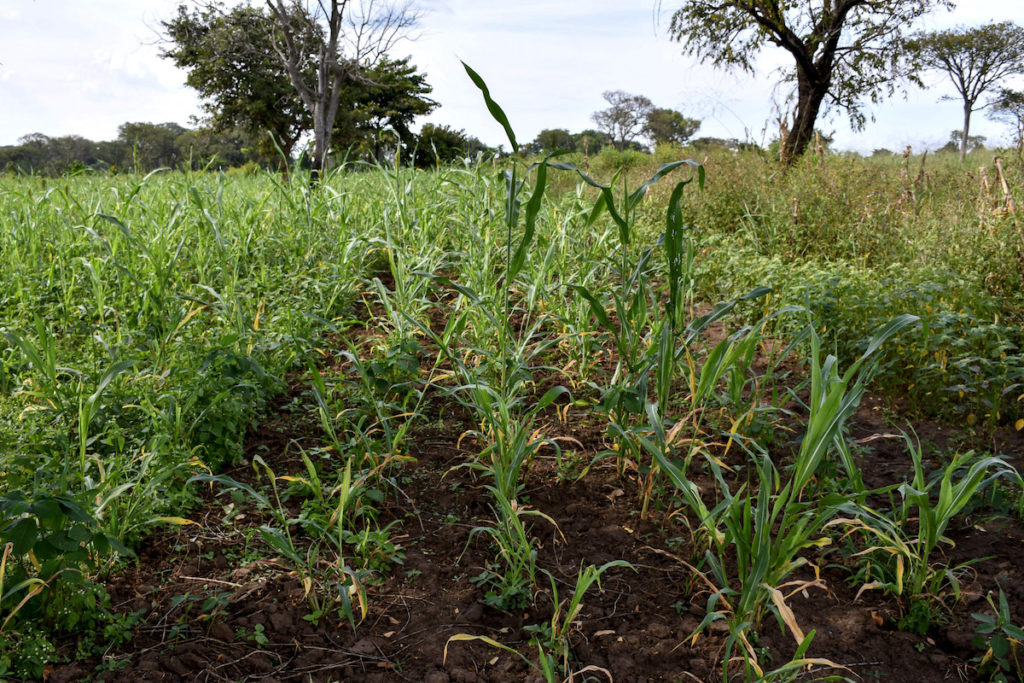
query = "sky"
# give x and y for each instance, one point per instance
(84, 67)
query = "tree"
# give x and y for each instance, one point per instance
(205, 147)
(553, 140)
(392, 95)
(40, 153)
(843, 50)
(343, 39)
(1009, 107)
(956, 143)
(230, 63)
(624, 119)
(233, 59)
(152, 145)
(975, 59)
(669, 126)
(590, 141)
(443, 145)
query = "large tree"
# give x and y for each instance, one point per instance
(975, 59)
(343, 38)
(440, 144)
(625, 116)
(552, 140)
(669, 126)
(1009, 107)
(152, 145)
(227, 54)
(843, 50)
(974, 142)
(590, 141)
(244, 63)
(391, 95)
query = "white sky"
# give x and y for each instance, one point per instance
(85, 66)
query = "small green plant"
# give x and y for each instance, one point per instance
(327, 579)
(921, 616)
(1003, 642)
(513, 576)
(907, 557)
(259, 635)
(552, 638)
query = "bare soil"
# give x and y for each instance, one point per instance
(636, 627)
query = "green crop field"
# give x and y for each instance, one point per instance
(514, 420)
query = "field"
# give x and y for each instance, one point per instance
(495, 422)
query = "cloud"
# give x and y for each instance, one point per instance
(91, 66)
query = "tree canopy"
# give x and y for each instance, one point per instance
(140, 146)
(956, 137)
(669, 126)
(1008, 106)
(552, 140)
(624, 118)
(326, 46)
(439, 144)
(262, 69)
(844, 51)
(230, 63)
(390, 96)
(974, 59)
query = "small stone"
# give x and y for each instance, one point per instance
(280, 622)
(463, 676)
(222, 631)
(472, 614)
(364, 647)
(660, 631)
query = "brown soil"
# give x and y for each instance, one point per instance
(635, 628)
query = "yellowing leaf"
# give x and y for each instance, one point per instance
(1019, 424)
(180, 521)
(786, 614)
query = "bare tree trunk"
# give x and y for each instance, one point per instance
(810, 95)
(349, 44)
(966, 131)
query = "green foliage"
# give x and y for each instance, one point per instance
(956, 137)
(389, 96)
(975, 60)
(1008, 106)
(842, 52)
(241, 81)
(907, 556)
(591, 141)
(625, 117)
(51, 549)
(173, 308)
(233, 64)
(1002, 641)
(668, 126)
(230, 391)
(552, 140)
(440, 144)
(152, 145)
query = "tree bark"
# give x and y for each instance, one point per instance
(810, 95)
(966, 132)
